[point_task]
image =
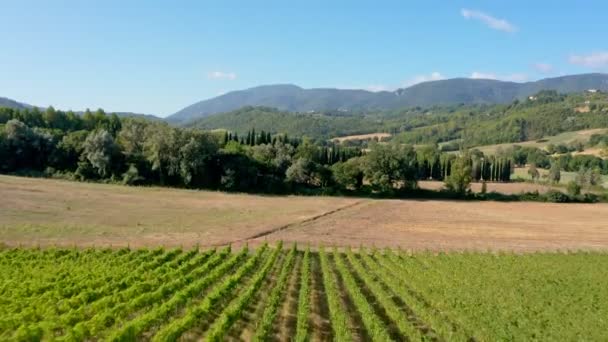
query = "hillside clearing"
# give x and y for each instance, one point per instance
(369, 136)
(563, 138)
(49, 212)
(566, 177)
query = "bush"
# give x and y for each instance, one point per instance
(574, 189)
(555, 196)
(591, 198)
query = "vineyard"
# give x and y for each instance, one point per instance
(284, 293)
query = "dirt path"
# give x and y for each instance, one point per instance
(458, 225)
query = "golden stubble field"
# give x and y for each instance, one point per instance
(53, 212)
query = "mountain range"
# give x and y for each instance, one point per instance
(287, 97)
(4, 102)
(291, 98)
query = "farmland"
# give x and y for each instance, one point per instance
(581, 136)
(522, 173)
(276, 293)
(46, 212)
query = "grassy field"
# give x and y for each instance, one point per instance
(563, 138)
(285, 294)
(52, 212)
(566, 177)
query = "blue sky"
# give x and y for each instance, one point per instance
(159, 56)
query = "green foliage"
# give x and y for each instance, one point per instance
(459, 180)
(390, 166)
(98, 150)
(533, 173)
(554, 173)
(131, 176)
(556, 196)
(349, 174)
(574, 189)
(168, 295)
(272, 120)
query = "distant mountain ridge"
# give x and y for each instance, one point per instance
(292, 98)
(6, 102)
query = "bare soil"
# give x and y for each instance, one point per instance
(458, 225)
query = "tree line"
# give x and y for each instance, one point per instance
(104, 147)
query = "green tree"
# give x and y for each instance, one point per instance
(195, 152)
(99, 148)
(348, 174)
(459, 180)
(302, 171)
(533, 172)
(162, 150)
(390, 166)
(132, 137)
(69, 150)
(554, 173)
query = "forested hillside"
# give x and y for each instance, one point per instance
(322, 126)
(546, 113)
(448, 92)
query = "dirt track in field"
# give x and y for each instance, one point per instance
(454, 225)
(50, 212)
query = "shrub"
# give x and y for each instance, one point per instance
(555, 196)
(574, 189)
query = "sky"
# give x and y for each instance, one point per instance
(160, 56)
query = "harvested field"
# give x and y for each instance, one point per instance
(45, 211)
(362, 137)
(49, 212)
(449, 225)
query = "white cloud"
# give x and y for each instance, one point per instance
(490, 21)
(220, 75)
(516, 77)
(593, 60)
(543, 67)
(434, 76)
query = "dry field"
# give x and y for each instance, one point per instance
(49, 212)
(563, 138)
(44, 211)
(362, 137)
